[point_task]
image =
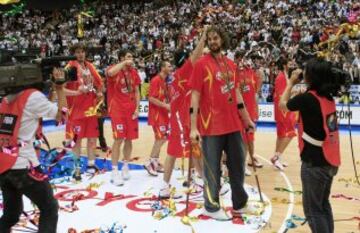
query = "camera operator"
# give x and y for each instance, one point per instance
(318, 139)
(19, 171)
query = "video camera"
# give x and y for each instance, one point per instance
(301, 57)
(18, 70)
(340, 78)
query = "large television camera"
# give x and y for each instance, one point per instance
(340, 79)
(21, 70)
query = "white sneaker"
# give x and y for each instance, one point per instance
(247, 172)
(125, 171)
(159, 167)
(116, 178)
(165, 193)
(250, 209)
(219, 215)
(224, 189)
(277, 163)
(150, 168)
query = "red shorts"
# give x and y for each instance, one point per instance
(178, 149)
(125, 127)
(161, 131)
(285, 129)
(86, 127)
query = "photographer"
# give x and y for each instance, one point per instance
(319, 146)
(19, 171)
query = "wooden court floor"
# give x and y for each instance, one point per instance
(270, 178)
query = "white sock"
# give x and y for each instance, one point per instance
(91, 163)
(154, 160)
(115, 168)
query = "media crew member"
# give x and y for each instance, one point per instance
(19, 171)
(318, 139)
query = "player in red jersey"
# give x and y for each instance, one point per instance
(218, 108)
(250, 86)
(124, 103)
(179, 138)
(285, 121)
(82, 95)
(159, 108)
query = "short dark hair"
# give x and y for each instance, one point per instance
(223, 35)
(122, 53)
(239, 54)
(77, 46)
(281, 62)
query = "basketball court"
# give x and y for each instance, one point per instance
(95, 203)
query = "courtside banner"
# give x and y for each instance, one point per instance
(266, 113)
(144, 109)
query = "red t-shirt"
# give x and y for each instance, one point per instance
(280, 86)
(249, 83)
(159, 89)
(122, 88)
(88, 76)
(180, 99)
(218, 105)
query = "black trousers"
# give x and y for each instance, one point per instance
(316, 185)
(16, 183)
(213, 147)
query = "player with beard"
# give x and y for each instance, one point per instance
(217, 109)
(285, 121)
(124, 104)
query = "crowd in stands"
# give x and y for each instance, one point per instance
(158, 30)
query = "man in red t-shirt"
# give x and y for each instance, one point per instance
(124, 100)
(218, 108)
(179, 138)
(158, 118)
(285, 121)
(83, 95)
(250, 85)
